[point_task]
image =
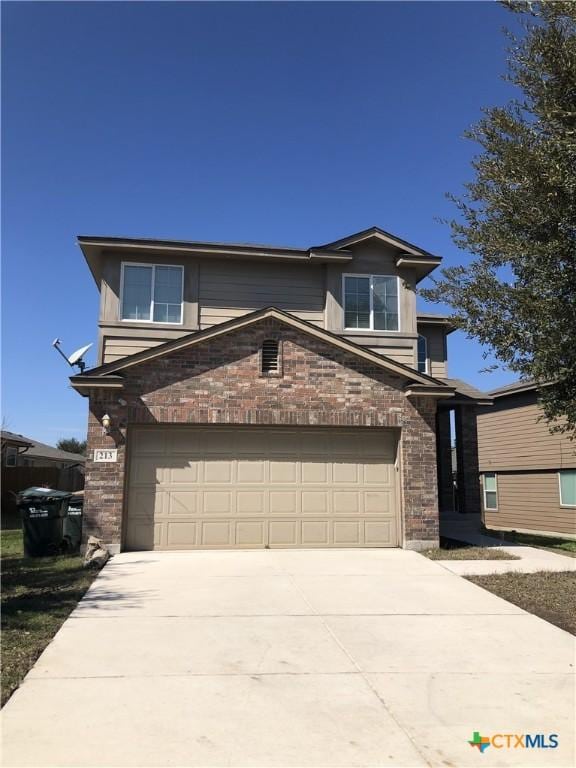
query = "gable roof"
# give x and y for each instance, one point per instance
(423, 262)
(110, 374)
(41, 450)
(375, 233)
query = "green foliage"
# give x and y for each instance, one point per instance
(72, 445)
(518, 216)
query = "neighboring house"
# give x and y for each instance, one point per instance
(259, 396)
(26, 463)
(528, 473)
(20, 451)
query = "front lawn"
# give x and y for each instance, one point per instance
(557, 545)
(38, 594)
(450, 549)
(551, 596)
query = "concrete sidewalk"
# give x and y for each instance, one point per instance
(291, 658)
(532, 559)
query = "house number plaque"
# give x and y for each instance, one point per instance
(105, 454)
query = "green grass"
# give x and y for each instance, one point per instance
(450, 549)
(557, 545)
(551, 596)
(38, 594)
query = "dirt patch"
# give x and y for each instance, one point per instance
(551, 596)
(450, 549)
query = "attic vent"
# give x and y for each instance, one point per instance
(270, 358)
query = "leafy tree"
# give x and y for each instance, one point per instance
(72, 445)
(518, 216)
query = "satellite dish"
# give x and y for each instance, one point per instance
(79, 354)
(76, 357)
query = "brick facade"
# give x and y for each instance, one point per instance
(219, 382)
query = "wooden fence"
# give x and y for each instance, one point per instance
(15, 479)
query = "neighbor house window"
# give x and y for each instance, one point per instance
(490, 491)
(422, 354)
(152, 293)
(567, 479)
(10, 456)
(371, 302)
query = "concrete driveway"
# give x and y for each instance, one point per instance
(291, 658)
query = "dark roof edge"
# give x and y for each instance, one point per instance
(517, 387)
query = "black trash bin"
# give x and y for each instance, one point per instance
(73, 522)
(43, 511)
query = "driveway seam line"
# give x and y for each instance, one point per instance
(360, 671)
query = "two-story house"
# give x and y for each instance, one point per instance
(528, 471)
(260, 396)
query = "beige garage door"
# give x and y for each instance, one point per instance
(220, 487)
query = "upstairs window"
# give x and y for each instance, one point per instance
(10, 456)
(371, 302)
(422, 354)
(152, 293)
(270, 363)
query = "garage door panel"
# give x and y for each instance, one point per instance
(187, 471)
(283, 502)
(251, 471)
(284, 533)
(181, 534)
(377, 533)
(251, 533)
(346, 533)
(315, 533)
(217, 502)
(219, 471)
(284, 471)
(210, 487)
(347, 502)
(147, 470)
(145, 535)
(378, 472)
(345, 472)
(377, 502)
(217, 533)
(182, 503)
(315, 502)
(251, 502)
(146, 503)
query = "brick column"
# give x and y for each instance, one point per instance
(419, 482)
(444, 452)
(467, 458)
(104, 482)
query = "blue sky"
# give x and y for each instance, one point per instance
(288, 123)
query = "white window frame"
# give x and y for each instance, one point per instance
(11, 451)
(566, 506)
(487, 508)
(153, 267)
(371, 277)
(427, 359)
